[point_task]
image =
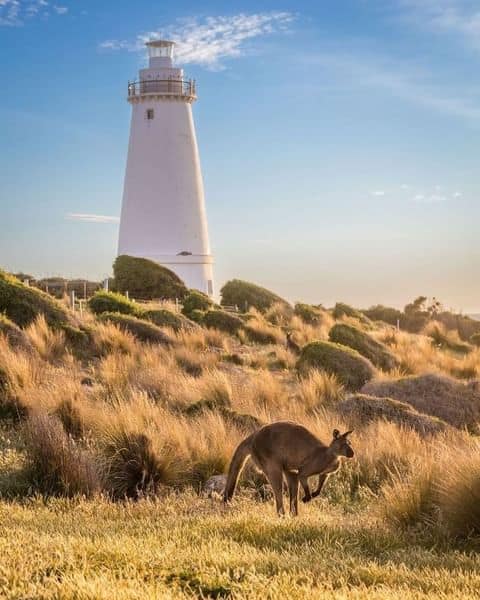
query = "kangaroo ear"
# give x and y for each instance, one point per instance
(347, 433)
(336, 434)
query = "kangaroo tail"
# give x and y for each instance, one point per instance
(239, 459)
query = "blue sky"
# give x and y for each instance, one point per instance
(339, 140)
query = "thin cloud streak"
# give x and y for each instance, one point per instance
(208, 41)
(459, 18)
(91, 218)
(401, 80)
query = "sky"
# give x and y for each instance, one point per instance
(339, 141)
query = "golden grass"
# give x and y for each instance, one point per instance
(154, 423)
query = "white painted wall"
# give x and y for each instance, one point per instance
(163, 209)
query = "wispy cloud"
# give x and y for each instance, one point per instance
(208, 41)
(90, 218)
(459, 18)
(16, 12)
(402, 80)
(378, 193)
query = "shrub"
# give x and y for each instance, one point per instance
(246, 295)
(222, 320)
(344, 310)
(142, 330)
(146, 280)
(14, 335)
(386, 314)
(196, 300)
(23, 304)
(360, 341)
(350, 368)
(433, 394)
(362, 409)
(197, 316)
(163, 317)
(312, 315)
(113, 302)
(58, 465)
(475, 339)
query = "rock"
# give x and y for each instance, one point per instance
(215, 485)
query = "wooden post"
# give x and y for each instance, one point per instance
(73, 300)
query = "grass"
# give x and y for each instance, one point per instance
(84, 549)
(103, 459)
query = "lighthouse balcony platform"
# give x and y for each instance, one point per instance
(166, 88)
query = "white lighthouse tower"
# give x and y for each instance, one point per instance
(163, 211)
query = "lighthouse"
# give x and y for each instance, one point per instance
(163, 210)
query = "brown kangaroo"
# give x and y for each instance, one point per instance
(288, 450)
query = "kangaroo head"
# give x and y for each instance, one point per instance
(341, 445)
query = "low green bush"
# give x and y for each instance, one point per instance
(196, 300)
(377, 353)
(145, 279)
(102, 302)
(197, 316)
(344, 310)
(386, 314)
(142, 330)
(22, 304)
(309, 314)
(350, 368)
(163, 317)
(222, 320)
(246, 295)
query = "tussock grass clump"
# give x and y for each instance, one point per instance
(360, 409)
(459, 493)
(19, 373)
(48, 342)
(261, 332)
(247, 295)
(446, 339)
(57, 464)
(377, 354)
(319, 389)
(142, 330)
(411, 498)
(134, 465)
(351, 369)
(223, 321)
(22, 304)
(112, 302)
(14, 335)
(279, 314)
(433, 394)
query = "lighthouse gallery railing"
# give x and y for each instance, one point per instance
(168, 87)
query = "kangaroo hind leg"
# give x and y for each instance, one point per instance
(275, 477)
(292, 482)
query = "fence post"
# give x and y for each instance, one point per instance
(73, 300)
(105, 284)
(127, 295)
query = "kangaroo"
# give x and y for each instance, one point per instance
(288, 450)
(291, 344)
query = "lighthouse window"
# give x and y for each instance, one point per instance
(150, 114)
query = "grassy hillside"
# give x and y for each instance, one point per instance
(104, 456)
